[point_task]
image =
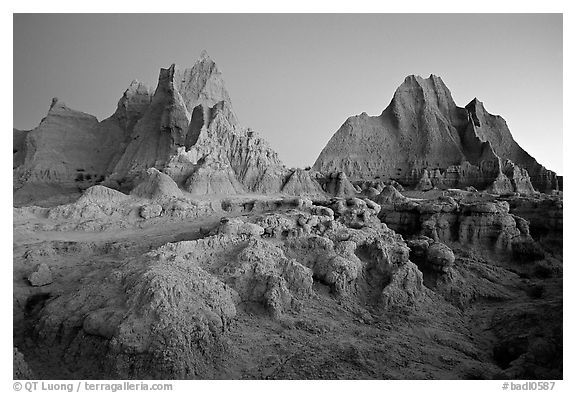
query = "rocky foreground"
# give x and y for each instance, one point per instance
(170, 242)
(156, 285)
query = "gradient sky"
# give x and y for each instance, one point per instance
(296, 78)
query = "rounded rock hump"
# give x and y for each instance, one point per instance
(156, 185)
(99, 194)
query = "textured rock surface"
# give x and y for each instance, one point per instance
(71, 148)
(439, 256)
(40, 276)
(263, 274)
(20, 368)
(61, 148)
(18, 147)
(185, 128)
(213, 176)
(422, 131)
(544, 216)
(183, 275)
(153, 318)
(150, 211)
(494, 129)
(334, 292)
(156, 185)
(301, 183)
(338, 185)
(189, 122)
(484, 226)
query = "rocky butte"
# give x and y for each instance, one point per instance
(423, 139)
(185, 128)
(170, 242)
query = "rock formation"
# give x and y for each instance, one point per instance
(301, 183)
(424, 139)
(18, 145)
(186, 129)
(156, 185)
(213, 176)
(487, 227)
(62, 149)
(71, 148)
(170, 269)
(338, 185)
(41, 276)
(190, 132)
(20, 368)
(494, 129)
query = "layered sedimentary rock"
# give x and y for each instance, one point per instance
(338, 185)
(71, 148)
(156, 185)
(424, 139)
(61, 148)
(494, 129)
(300, 182)
(545, 217)
(185, 128)
(213, 176)
(485, 226)
(18, 145)
(120, 125)
(190, 122)
(169, 312)
(157, 316)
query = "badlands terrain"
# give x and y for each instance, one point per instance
(169, 242)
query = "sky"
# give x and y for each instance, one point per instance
(295, 78)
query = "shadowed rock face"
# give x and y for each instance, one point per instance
(494, 129)
(485, 226)
(423, 130)
(18, 144)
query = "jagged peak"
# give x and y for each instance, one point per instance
(136, 85)
(204, 56)
(475, 104)
(57, 104)
(417, 93)
(477, 109)
(168, 72)
(432, 83)
(59, 108)
(201, 84)
(419, 79)
(136, 88)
